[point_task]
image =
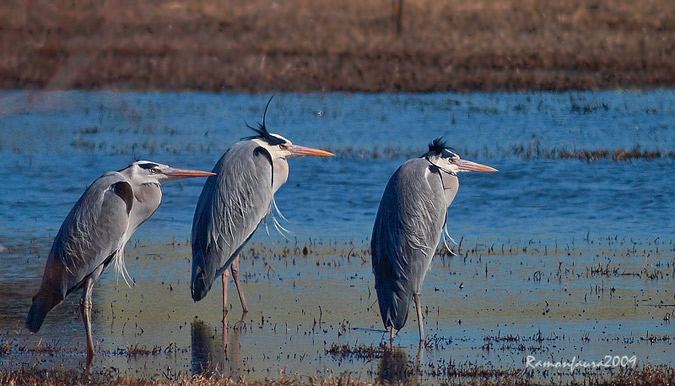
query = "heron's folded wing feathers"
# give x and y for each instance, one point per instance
(230, 207)
(406, 232)
(91, 233)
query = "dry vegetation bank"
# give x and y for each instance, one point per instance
(643, 376)
(303, 45)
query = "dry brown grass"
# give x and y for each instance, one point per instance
(643, 376)
(305, 45)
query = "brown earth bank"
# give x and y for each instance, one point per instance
(644, 376)
(351, 45)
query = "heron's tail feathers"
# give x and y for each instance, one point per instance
(206, 268)
(199, 291)
(42, 304)
(200, 285)
(394, 305)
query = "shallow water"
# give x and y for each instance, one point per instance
(54, 144)
(579, 255)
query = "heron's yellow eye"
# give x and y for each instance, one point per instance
(154, 170)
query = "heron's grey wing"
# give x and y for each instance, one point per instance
(405, 236)
(229, 210)
(89, 237)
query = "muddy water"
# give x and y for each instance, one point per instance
(552, 305)
(557, 258)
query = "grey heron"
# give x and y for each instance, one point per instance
(408, 226)
(94, 234)
(234, 202)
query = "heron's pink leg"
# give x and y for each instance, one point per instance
(235, 275)
(226, 279)
(85, 308)
(420, 323)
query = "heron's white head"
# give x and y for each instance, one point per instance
(280, 147)
(144, 172)
(445, 159)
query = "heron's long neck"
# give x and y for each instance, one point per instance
(147, 198)
(450, 186)
(280, 168)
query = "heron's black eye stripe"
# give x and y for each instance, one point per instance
(448, 154)
(148, 166)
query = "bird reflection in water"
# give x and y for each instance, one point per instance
(396, 367)
(213, 356)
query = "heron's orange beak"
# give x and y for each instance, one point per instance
(175, 173)
(302, 151)
(468, 166)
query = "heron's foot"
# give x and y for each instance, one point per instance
(90, 357)
(241, 323)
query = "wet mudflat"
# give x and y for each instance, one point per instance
(557, 257)
(315, 314)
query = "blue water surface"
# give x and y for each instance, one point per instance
(573, 258)
(53, 144)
